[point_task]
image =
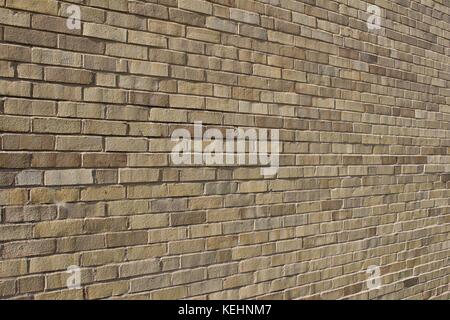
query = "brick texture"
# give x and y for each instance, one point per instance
(86, 177)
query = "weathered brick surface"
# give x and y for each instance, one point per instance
(86, 177)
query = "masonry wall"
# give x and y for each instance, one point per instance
(87, 178)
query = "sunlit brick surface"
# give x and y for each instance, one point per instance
(358, 209)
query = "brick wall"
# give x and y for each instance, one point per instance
(359, 207)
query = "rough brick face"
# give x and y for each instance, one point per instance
(87, 178)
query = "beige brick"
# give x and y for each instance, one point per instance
(187, 218)
(149, 10)
(14, 160)
(136, 192)
(122, 239)
(106, 79)
(55, 57)
(28, 248)
(28, 142)
(147, 129)
(99, 225)
(168, 205)
(9, 268)
(7, 288)
(102, 257)
(196, 5)
(215, 243)
(45, 125)
(149, 221)
(87, 178)
(221, 25)
(127, 113)
(6, 69)
(140, 83)
(59, 228)
(47, 195)
(206, 203)
(149, 283)
(68, 177)
(104, 63)
(7, 179)
(79, 143)
(147, 251)
(169, 293)
(104, 160)
(119, 5)
(105, 176)
(266, 71)
(138, 175)
(55, 160)
(186, 246)
(127, 51)
(49, 23)
(43, 6)
(103, 193)
(15, 18)
(107, 273)
(136, 268)
(15, 88)
(52, 263)
(103, 31)
(128, 207)
(165, 27)
(126, 144)
(29, 107)
(186, 17)
(203, 35)
(206, 286)
(244, 16)
(185, 189)
(15, 52)
(104, 127)
(73, 294)
(79, 110)
(252, 32)
(104, 95)
(56, 91)
(81, 44)
(12, 232)
(149, 68)
(157, 114)
(58, 280)
(81, 210)
(30, 71)
(104, 290)
(28, 177)
(14, 124)
(68, 75)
